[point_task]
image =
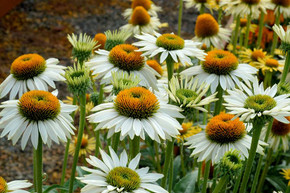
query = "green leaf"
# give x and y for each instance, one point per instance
(187, 183)
(277, 183)
(176, 168)
(53, 188)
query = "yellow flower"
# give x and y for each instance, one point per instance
(253, 57)
(271, 65)
(87, 145)
(187, 130)
(286, 174)
(89, 105)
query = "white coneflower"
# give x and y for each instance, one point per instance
(115, 174)
(15, 186)
(31, 72)
(282, 6)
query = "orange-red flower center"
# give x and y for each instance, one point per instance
(206, 26)
(140, 16)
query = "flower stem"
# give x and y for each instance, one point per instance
(135, 146)
(171, 175)
(218, 103)
(79, 140)
(180, 16)
(116, 141)
(286, 67)
(238, 181)
(221, 184)
(182, 159)
(170, 67)
(241, 39)
(205, 176)
(220, 13)
(156, 149)
(168, 155)
(265, 171)
(261, 26)
(238, 21)
(247, 31)
(288, 189)
(257, 125)
(201, 9)
(268, 79)
(257, 174)
(199, 174)
(34, 170)
(39, 165)
(275, 36)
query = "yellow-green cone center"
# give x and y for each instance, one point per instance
(260, 103)
(186, 95)
(124, 178)
(170, 42)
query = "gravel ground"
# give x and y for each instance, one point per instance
(41, 26)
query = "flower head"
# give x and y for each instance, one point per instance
(87, 145)
(221, 68)
(169, 45)
(271, 65)
(115, 174)
(31, 72)
(15, 186)
(187, 130)
(255, 58)
(101, 39)
(198, 4)
(286, 174)
(221, 134)
(115, 38)
(230, 164)
(281, 6)
(83, 46)
(208, 31)
(284, 36)
(283, 88)
(122, 81)
(135, 111)
(148, 5)
(36, 113)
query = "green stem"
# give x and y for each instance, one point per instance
(214, 179)
(261, 26)
(182, 159)
(135, 147)
(98, 143)
(220, 13)
(101, 94)
(275, 37)
(171, 175)
(39, 165)
(238, 21)
(168, 155)
(247, 31)
(265, 171)
(116, 141)
(180, 16)
(199, 175)
(257, 125)
(34, 170)
(79, 140)
(238, 181)
(268, 79)
(205, 176)
(286, 67)
(241, 39)
(156, 149)
(288, 189)
(218, 103)
(201, 9)
(257, 174)
(170, 67)
(221, 184)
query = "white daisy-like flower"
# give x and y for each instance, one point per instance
(15, 186)
(246, 7)
(36, 113)
(122, 58)
(253, 102)
(282, 6)
(117, 175)
(209, 32)
(31, 72)
(283, 35)
(221, 134)
(169, 45)
(198, 4)
(279, 134)
(137, 111)
(189, 95)
(221, 68)
(141, 22)
(148, 6)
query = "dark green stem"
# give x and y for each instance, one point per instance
(170, 67)
(288, 189)
(135, 147)
(268, 79)
(247, 31)
(205, 176)
(257, 125)
(218, 103)
(180, 17)
(238, 21)
(98, 142)
(116, 141)
(168, 155)
(221, 184)
(202, 9)
(286, 67)
(34, 170)
(199, 175)
(156, 149)
(241, 39)
(182, 159)
(171, 175)
(79, 140)
(275, 36)
(220, 13)
(238, 181)
(261, 26)
(39, 165)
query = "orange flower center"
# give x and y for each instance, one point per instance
(84, 142)
(137, 102)
(221, 129)
(140, 16)
(206, 26)
(284, 3)
(256, 54)
(280, 129)
(39, 105)
(27, 66)
(125, 57)
(272, 63)
(251, 2)
(220, 62)
(243, 22)
(101, 39)
(155, 65)
(3, 185)
(170, 42)
(144, 3)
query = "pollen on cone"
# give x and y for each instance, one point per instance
(140, 16)
(144, 3)
(257, 54)
(272, 63)
(101, 39)
(206, 26)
